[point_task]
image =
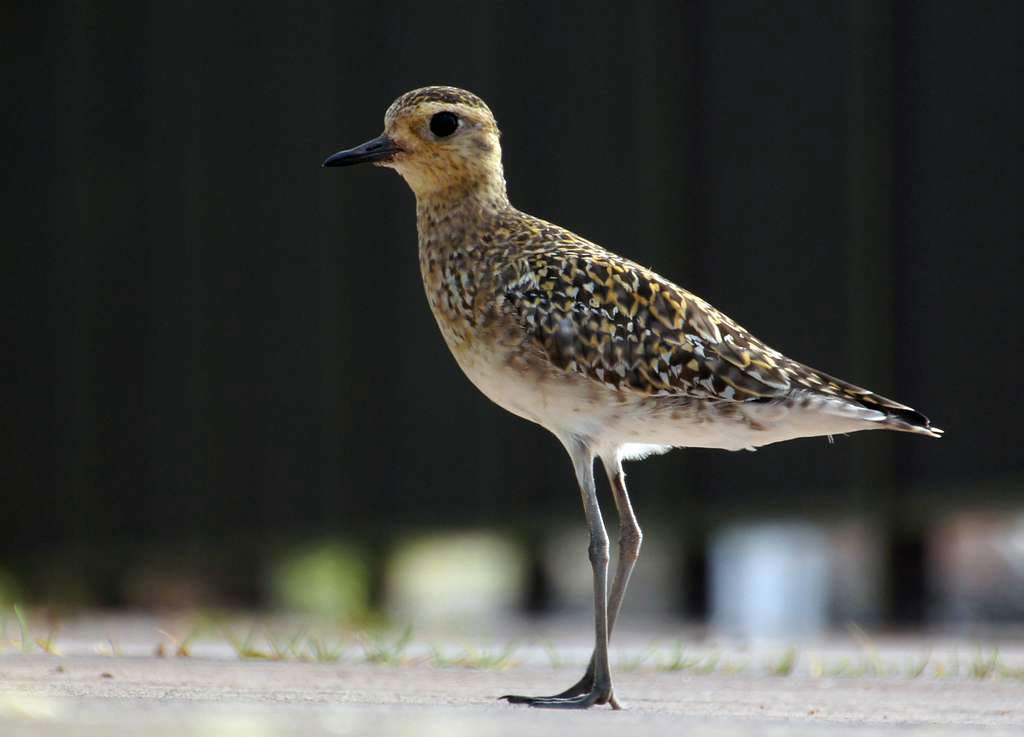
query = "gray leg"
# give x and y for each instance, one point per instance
(630, 538)
(600, 690)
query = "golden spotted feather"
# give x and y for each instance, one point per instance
(589, 311)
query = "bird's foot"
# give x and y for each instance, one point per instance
(577, 697)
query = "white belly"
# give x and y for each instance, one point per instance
(631, 424)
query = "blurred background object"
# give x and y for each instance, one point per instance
(198, 413)
(454, 577)
(977, 568)
(770, 580)
(326, 579)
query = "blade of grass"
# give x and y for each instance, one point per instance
(785, 665)
(26, 640)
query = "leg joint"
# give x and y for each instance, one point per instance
(598, 552)
(630, 539)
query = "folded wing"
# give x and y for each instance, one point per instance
(622, 325)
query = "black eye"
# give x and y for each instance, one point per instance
(443, 124)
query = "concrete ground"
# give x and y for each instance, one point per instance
(824, 688)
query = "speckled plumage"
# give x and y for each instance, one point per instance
(515, 294)
(612, 358)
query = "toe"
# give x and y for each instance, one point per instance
(516, 699)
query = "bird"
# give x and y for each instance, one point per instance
(614, 360)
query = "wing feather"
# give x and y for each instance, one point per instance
(590, 312)
(594, 313)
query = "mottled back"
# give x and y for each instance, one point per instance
(592, 312)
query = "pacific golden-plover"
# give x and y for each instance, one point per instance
(616, 361)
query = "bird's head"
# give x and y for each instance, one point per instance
(440, 139)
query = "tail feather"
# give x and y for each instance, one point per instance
(887, 413)
(906, 419)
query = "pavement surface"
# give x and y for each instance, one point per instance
(740, 692)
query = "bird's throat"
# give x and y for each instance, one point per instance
(453, 214)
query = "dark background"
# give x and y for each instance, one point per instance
(201, 337)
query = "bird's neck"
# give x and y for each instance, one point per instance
(450, 217)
